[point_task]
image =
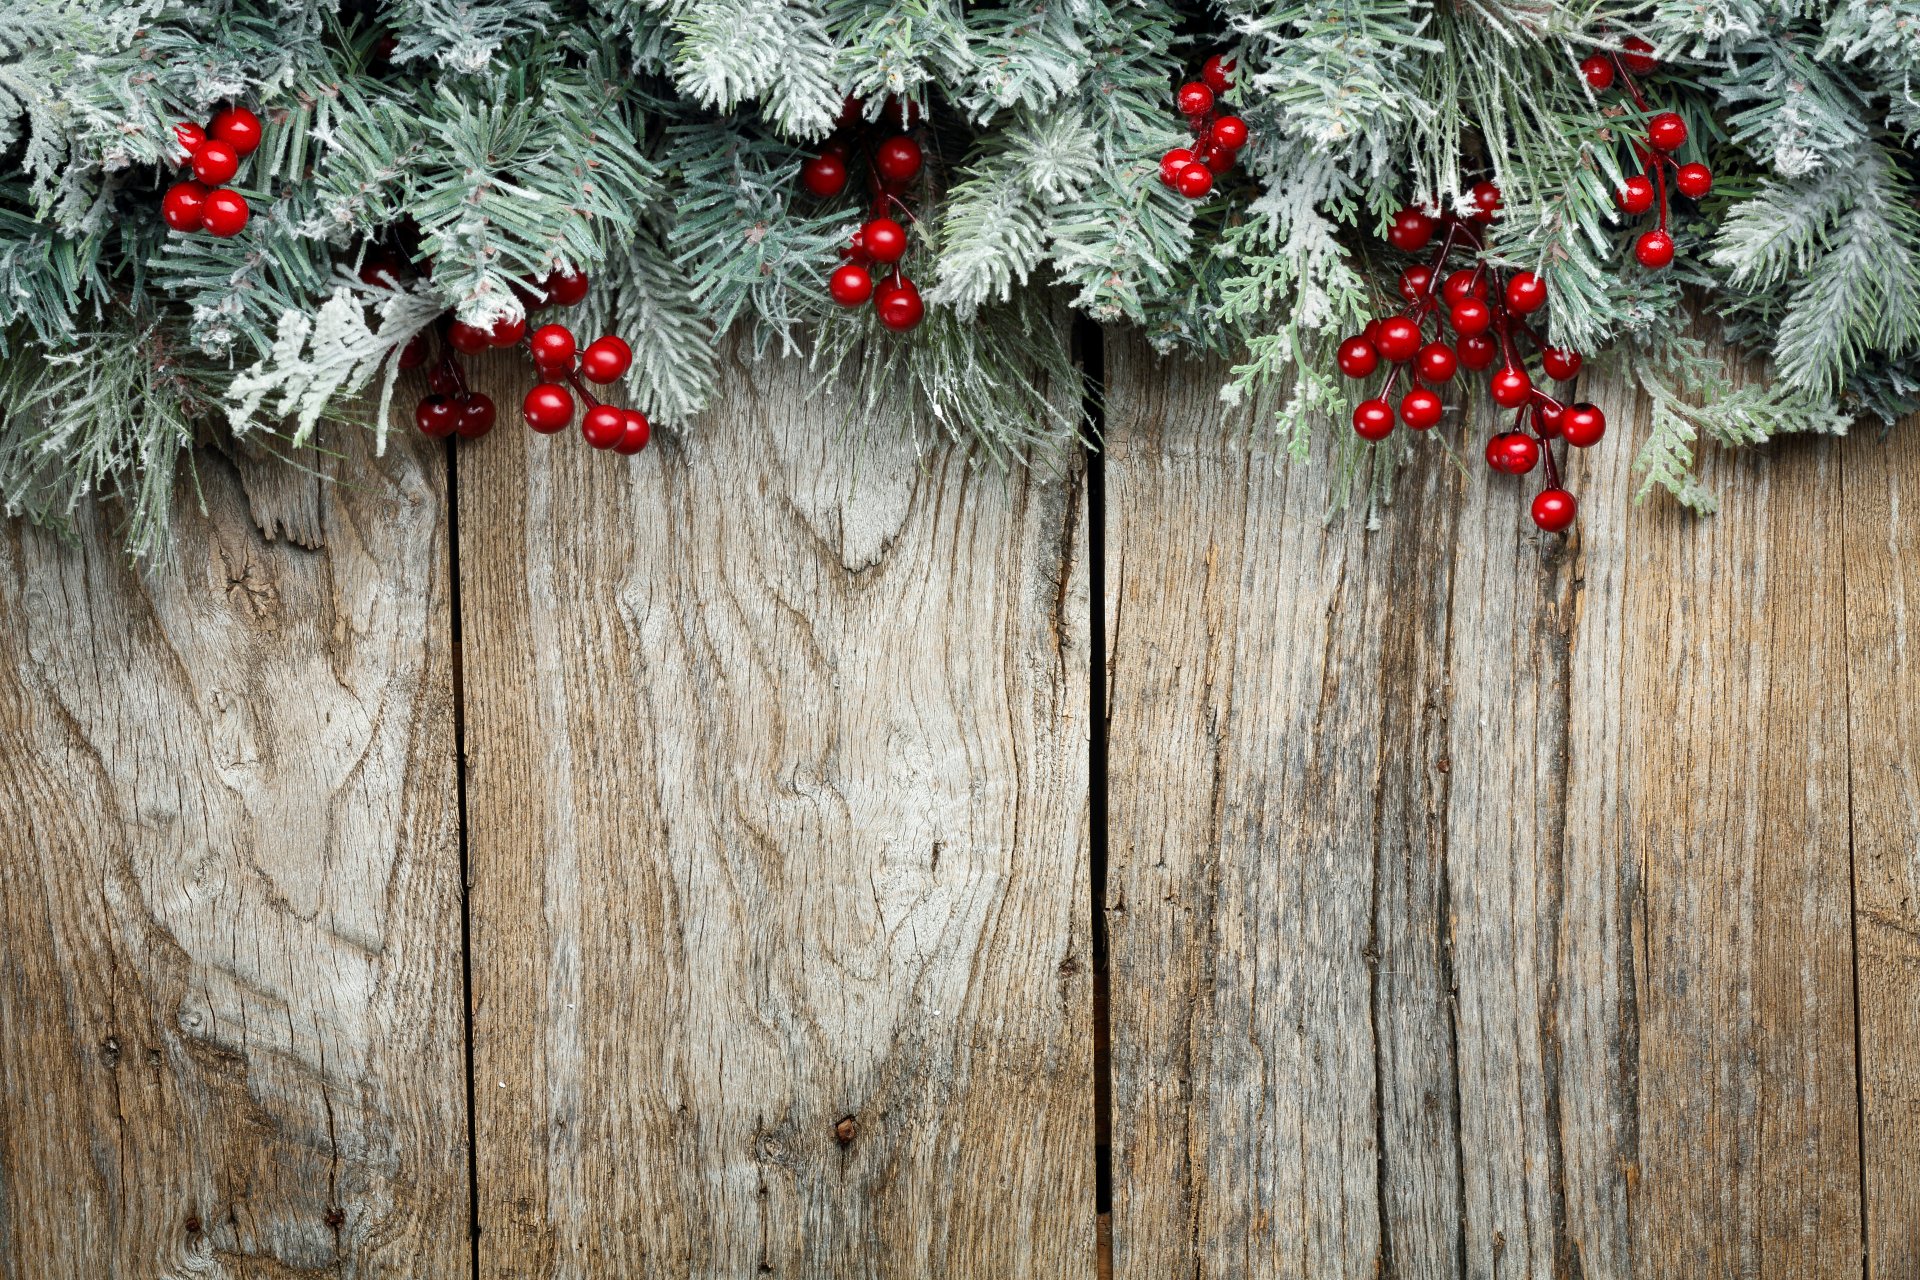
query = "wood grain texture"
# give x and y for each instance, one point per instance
(1478, 900)
(777, 780)
(230, 986)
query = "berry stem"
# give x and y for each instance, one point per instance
(573, 376)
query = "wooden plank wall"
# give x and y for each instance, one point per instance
(1471, 903)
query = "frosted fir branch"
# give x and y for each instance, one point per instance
(675, 353)
(464, 35)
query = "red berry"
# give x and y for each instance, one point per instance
(467, 339)
(850, 284)
(548, 408)
(1526, 293)
(1195, 181)
(1217, 158)
(1560, 364)
(1462, 285)
(603, 425)
(1654, 249)
(1553, 509)
(1511, 387)
(191, 138)
(851, 112)
(553, 348)
(1438, 362)
(436, 416)
(1194, 99)
(442, 380)
(1229, 132)
(1547, 417)
(1172, 163)
(897, 160)
(1372, 332)
(183, 205)
(899, 305)
(1373, 419)
(1217, 73)
(906, 111)
(1635, 194)
(1584, 424)
(1470, 317)
(1399, 339)
(1635, 53)
(1410, 230)
(381, 270)
(564, 288)
(225, 213)
(884, 240)
(215, 162)
(1599, 72)
(1420, 408)
(1513, 453)
(605, 359)
(1486, 202)
(635, 431)
(414, 354)
(507, 331)
(477, 415)
(239, 128)
(1667, 131)
(1476, 351)
(1357, 358)
(1414, 282)
(1694, 180)
(825, 175)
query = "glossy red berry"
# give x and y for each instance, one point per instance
(1511, 387)
(1420, 408)
(1547, 417)
(1172, 163)
(183, 206)
(825, 175)
(605, 359)
(1194, 182)
(1398, 340)
(1560, 364)
(1194, 99)
(1637, 55)
(1635, 194)
(507, 331)
(850, 284)
(1553, 510)
(548, 408)
(1654, 249)
(467, 339)
(635, 431)
(1512, 453)
(1486, 202)
(1526, 293)
(1217, 158)
(1477, 351)
(225, 213)
(1229, 132)
(603, 425)
(1598, 71)
(1438, 362)
(1583, 424)
(1357, 358)
(436, 416)
(1218, 73)
(897, 160)
(565, 288)
(442, 380)
(215, 162)
(884, 240)
(1410, 230)
(1373, 419)
(414, 354)
(239, 128)
(191, 138)
(1470, 317)
(1414, 282)
(1463, 284)
(553, 348)
(477, 415)
(899, 305)
(1694, 180)
(1667, 131)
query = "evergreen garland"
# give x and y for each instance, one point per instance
(656, 145)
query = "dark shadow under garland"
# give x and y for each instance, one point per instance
(192, 194)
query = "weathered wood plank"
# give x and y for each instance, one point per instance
(231, 1005)
(778, 799)
(1882, 592)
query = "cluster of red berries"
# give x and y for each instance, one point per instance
(1217, 138)
(1486, 308)
(451, 407)
(1666, 134)
(203, 203)
(893, 160)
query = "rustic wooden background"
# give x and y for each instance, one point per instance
(1429, 899)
